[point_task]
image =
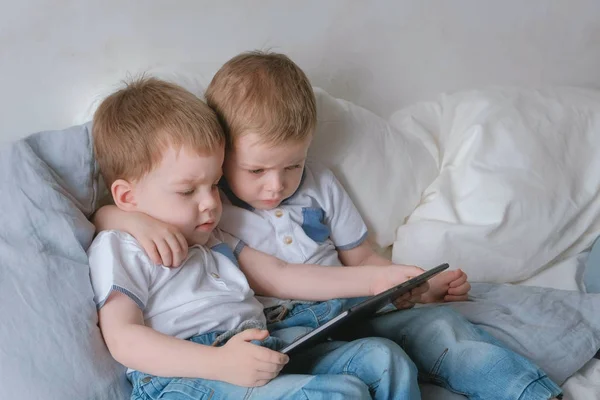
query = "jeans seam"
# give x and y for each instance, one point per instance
(248, 393)
(318, 317)
(348, 372)
(539, 381)
(438, 364)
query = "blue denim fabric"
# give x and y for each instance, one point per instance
(312, 224)
(362, 369)
(447, 349)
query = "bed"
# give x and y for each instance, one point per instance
(500, 180)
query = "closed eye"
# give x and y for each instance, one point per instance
(291, 167)
(187, 192)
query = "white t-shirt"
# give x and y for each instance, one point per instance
(307, 228)
(207, 293)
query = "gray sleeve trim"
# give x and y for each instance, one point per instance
(126, 292)
(238, 248)
(354, 244)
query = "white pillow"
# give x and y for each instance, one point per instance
(361, 148)
(384, 170)
(519, 185)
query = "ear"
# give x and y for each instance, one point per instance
(123, 194)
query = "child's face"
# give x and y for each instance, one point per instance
(262, 174)
(182, 191)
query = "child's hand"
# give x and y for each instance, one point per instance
(163, 243)
(246, 364)
(393, 275)
(408, 300)
(447, 286)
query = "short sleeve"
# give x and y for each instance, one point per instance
(348, 230)
(118, 263)
(235, 244)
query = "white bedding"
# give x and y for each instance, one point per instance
(585, 384)
(518, 190)
(517, 196)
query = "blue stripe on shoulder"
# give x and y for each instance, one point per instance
(238, 249)
(354, 244)
(224, 249)
(126, 292)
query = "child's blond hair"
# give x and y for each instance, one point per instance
(133, 127)
(263, 93)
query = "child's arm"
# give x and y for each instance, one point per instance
(163, 243)
(447, 286)
(139, 347)
(270, 276)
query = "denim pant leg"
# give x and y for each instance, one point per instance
(301, 386)
(452, 352)
(311, 315)
(289, 387)
(381, 364)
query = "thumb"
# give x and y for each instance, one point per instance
(252, 334)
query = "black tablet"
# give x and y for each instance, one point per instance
(363, 310)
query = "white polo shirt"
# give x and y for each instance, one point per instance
(207, 293)
(307, 228)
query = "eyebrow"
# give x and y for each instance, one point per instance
(189, 181)
(251, 166)
(182, 181)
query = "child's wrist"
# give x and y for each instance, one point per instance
(218, 371)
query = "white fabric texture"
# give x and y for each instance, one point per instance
(518, 188)
(207, 293)
(364, 151)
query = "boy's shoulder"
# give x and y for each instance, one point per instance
(316, 176)
(317, 169)
(318, 181)
(113, 242)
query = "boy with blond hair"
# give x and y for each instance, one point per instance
(160, 150)
(278, 202)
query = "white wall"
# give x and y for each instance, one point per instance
(379, 54)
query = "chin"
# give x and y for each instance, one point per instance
(199, 239)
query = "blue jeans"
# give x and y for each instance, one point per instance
(362, 369)
(447, 349)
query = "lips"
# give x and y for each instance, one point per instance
(206, 225)
(274, 201)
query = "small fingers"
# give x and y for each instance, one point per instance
(165, 252)
(176, 250)
(403, 305)
(271, 356)
(261, 382)
(457, 282)
(183, 243)
(460, 290)
(269, 368)
(450, 298)
(152, 251)
(419, 290)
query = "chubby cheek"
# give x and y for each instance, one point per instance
(291, 184)
(181, 215)
(246, 188)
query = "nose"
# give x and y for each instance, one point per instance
(209, 202)
(275, 184)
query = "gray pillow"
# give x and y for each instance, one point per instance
(50, 345)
